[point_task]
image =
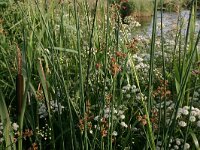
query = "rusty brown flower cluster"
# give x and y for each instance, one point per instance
(142, 119)
(132, 45)
(86, 120)
(114, 65)
(161, 90)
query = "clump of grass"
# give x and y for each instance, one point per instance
(90, 84)
(142, 8)
(175, 6)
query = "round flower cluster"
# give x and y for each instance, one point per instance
(131, 22)
(45, 132)
(102, 123)
(131, 91)
(183, 115)
(14, 126)
(117, 114)
(159, 55)
(141, 62)
(128, 27)
(128, 88)
(42, 111)
(169, 105)
(196, 97)
(54, 106)
(175, 144)
(1, 132)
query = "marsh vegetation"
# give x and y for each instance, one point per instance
(75, 75)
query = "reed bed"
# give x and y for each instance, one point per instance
(74, 76)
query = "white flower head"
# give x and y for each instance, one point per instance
(114, 111)
(186, 107)
(182, 123)
(120, 112)
(178, 141)
(114, 133)
(193, 113)
(176, 147)
(96, 118)
(91, 132)
(123, 124)
(15, 126)
(107, 110)
(42, 111)
(186, 146)
(192, 118)
(128, 96)
(185, 112)
(180, 110)
(134, 87)
(127, 87)
(106, 115)
(122, 116)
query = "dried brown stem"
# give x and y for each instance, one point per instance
(19, 60)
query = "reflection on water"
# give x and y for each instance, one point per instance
(170, 20)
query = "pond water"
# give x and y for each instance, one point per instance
(169, 22)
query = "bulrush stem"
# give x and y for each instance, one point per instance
(19, 92)
(19, 82)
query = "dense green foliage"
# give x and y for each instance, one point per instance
(90, 83)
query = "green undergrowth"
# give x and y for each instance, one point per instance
(88, 82)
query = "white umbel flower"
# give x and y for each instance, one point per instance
(122, 116)
(185, 112)
(123, 124)
(178, 141)
(114, 111)
(182, 123)
(107, 110)
(96, 118)
(193, 113)
(180, 110)
(15, 126)
(186, 146)
(120, 112)
(91, 132)
(128, 96)
(186, 107)
(176, 147)
(192, 118)
(114, 133)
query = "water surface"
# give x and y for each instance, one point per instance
(170, 21)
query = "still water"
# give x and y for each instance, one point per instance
(170, 20)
